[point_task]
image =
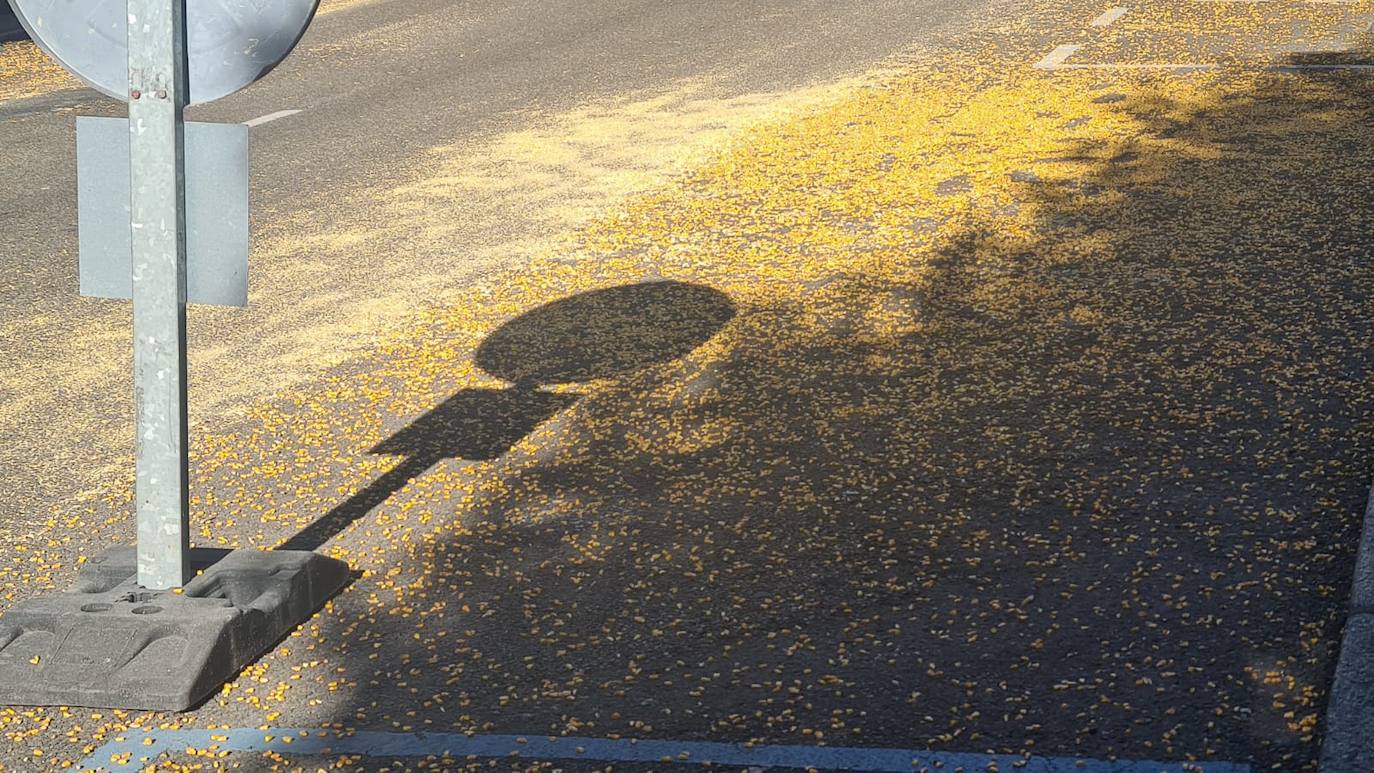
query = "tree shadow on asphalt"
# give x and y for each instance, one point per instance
(1096, 504)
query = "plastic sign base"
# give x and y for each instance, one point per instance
(109, 643)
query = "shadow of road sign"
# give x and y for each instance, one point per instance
(587, 337)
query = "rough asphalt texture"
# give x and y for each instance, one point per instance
(9, 24)
(969, 407)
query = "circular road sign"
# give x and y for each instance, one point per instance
(230, 43)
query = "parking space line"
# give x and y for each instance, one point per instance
(1055, 59)
(260, 120)
(133, 749)
(1108, 16)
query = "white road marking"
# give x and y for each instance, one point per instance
(1177, 67)
(1055, 59)
(1309, 2)
(1201, 66)
(259, 121)
(1291, 67)
(1108, 16)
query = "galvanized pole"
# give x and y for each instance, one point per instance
(157, 97)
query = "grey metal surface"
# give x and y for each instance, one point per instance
(216, 210)
(110, 643)
(157, 217)
(231, 43)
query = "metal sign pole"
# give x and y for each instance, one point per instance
(191, 630)
(157, 98)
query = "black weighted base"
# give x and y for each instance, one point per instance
(109, 643)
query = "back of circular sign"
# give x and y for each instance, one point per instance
(230, 43)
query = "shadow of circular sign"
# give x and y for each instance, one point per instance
(604, 333)
(230, 43)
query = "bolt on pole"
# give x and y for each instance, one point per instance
(157, 99)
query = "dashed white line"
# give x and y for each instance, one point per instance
(260, 120)
(1054, 60)
(1058, 58)
(1108, 16)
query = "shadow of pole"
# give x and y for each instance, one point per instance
(594, 335)
(361, 503)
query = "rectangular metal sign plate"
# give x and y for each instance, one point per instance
(216, 210)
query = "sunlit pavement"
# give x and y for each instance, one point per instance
(1011, 399)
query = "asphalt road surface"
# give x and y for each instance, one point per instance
(383, 87)
(970, 385)
(9, 25)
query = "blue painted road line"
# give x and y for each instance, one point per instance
(133, 750)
